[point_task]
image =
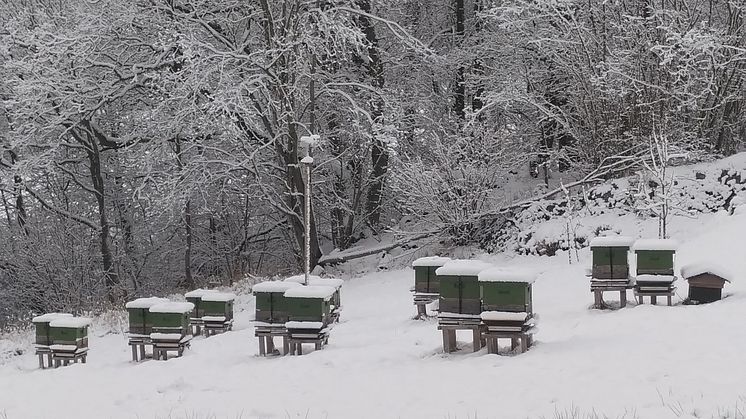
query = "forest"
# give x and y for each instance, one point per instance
(154, 145)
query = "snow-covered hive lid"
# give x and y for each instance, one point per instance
(70, 322)
(463, 267)
(48, 317)
(172, 307)
(274, 286)
(311, 291)
(198, 293)
(431, 261)
(302, 278)
(656, 244)
(612, 241)
(219, 297)
(145, 302)
(330, 282)
(694, 269)
(498, 274)
(655, 278)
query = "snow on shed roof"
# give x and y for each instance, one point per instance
(463, 267)
(219, 297)
(198, 293)
(612, 241)
(146, 302)
(498, 274)
(694, 269)
(274, 286)
(431, 261)
(70, 322)
(311, 291)
(172, 307)
(46, 318)
(656, 244)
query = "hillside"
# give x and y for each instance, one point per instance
(639, 362)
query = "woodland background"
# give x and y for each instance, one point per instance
(153, 145)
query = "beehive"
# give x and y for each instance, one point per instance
(140, 322)
(655, 257)
(195, 297)
(459, 286)
(42, 327)
(309, 303)
(216, 305)
(69, 333)
(610, 257)
(270, 301)
(425, 278)
(506, 290)
(170, 319)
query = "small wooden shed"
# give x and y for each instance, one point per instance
(610, 257)
(705, 282)
(655, 256)
(140, 321)
(271, 307)
(43, 338)
(506, 290)
(425, 278)
(459, 286)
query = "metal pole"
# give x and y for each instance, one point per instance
(308, 221)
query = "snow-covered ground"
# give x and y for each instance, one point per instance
(643, 361)
(639, 362)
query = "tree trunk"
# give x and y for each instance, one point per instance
(460, 89)
(379, 152)
(188, 278)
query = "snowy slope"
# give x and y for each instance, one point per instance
(639, 362)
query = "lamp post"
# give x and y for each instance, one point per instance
(306, 163)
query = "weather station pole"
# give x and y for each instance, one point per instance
(306, 163)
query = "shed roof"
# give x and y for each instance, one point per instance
(695, 269)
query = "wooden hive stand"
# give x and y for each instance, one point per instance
(171, 331)
(654, 266)
(459, 301)
(69, 340)
(610, 270)
(507, 308)
(426, 285)
(43, 337)
(309, 319)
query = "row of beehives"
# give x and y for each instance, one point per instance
(296, 312)
(654, 267)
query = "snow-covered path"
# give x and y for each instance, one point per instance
(644, 361)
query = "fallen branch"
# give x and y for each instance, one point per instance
(356, 253)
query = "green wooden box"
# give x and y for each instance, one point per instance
(610, 257)
(311, 303)
(218, 304)
(69, 331)
(195, 297)
(459, 286)
(41, 323)
(140, 322)
(655, 256)
(508, 290)
(171, 317)
(425, 278)
(271, 306)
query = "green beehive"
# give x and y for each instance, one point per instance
(317, 280)
(41, 323)
(69, 333)
(655, 257)
(140, 322)
(459, 286)
(425, 278)
(309, 304)
(506, 290)
(216, 305)
(195, 297)
(610, 257)
(270, 301)
(170, 319)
